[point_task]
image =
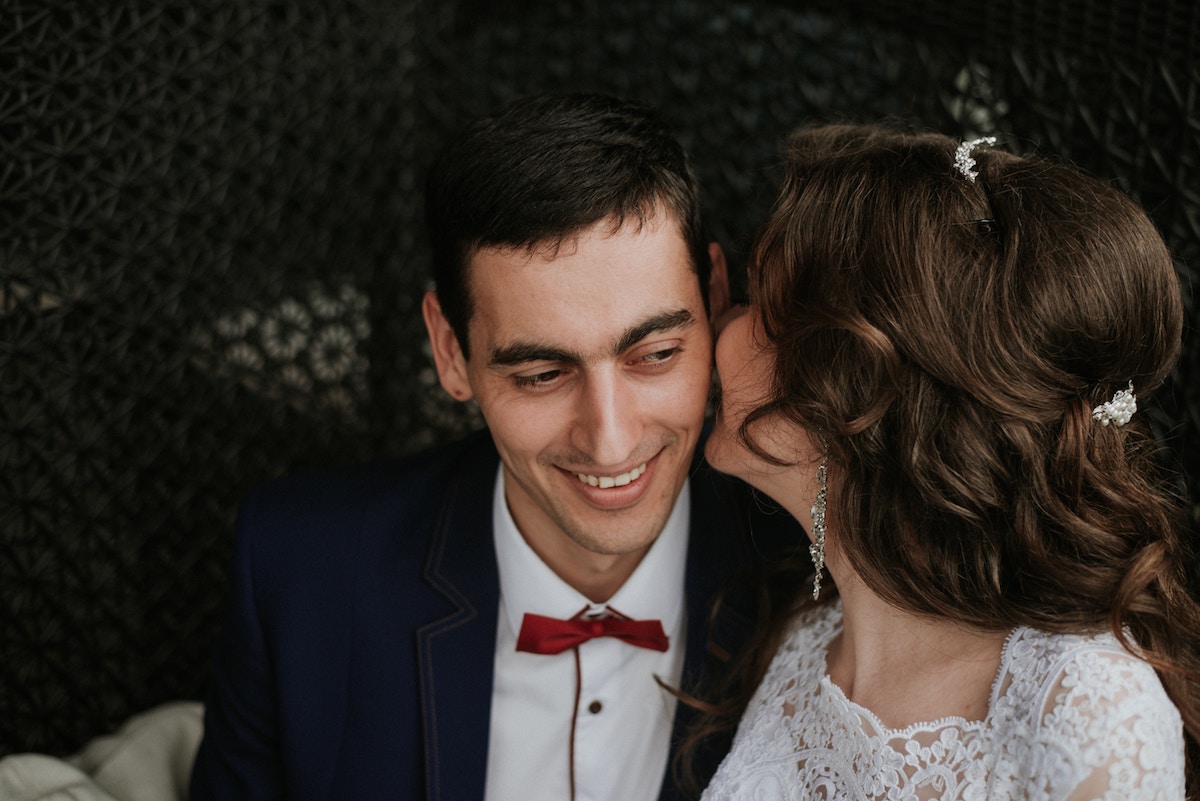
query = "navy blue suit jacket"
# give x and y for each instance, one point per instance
(357, 657)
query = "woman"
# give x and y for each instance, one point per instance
(937, 376)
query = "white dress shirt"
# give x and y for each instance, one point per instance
(623, 721)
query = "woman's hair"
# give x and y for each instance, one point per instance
(948, 340)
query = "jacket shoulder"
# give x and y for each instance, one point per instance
(325, 512)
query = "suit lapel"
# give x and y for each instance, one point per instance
(456, 651)
(715, 551)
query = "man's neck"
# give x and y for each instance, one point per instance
(595, 576)
(580, 559)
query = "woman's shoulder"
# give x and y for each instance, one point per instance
(1059, 678)
(803, 647)
(813, 627)
(1092, 668)
(1089, 706)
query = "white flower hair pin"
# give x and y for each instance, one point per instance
(962, 156)
(1119, 410)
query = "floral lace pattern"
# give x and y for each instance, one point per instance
(1070, 717)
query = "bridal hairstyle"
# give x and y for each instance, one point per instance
(949, 340)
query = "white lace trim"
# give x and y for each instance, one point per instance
(1070, 717)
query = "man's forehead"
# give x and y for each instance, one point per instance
(584, 295)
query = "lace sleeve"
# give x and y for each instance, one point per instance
(1113, 731)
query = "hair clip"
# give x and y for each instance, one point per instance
(986, 225)
(1118, 410)
(962, 156)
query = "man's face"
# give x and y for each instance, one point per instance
(591, 365)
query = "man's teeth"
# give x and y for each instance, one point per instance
(607, 482)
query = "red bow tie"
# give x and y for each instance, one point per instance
(548, 635)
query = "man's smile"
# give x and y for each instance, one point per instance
(606, 482)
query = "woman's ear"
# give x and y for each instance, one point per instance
(447, 353)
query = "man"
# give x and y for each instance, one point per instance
(397, 631)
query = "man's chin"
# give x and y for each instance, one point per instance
(615, 537)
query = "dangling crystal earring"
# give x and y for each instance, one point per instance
(817, 549)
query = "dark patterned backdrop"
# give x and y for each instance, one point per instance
(211, 252)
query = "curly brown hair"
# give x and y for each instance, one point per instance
(949, 339)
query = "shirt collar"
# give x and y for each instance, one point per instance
(527, 584)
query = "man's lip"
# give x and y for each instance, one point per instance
(608, 481)
(619, 495)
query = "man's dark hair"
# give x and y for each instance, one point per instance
(542, 169)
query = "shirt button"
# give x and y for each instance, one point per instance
(594, 707)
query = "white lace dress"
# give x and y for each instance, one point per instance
(1070, 717)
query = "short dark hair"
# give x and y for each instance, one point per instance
(543, 168)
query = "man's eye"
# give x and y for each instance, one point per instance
(660, 355)
(537, 379)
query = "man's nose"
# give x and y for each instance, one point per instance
(609, 425)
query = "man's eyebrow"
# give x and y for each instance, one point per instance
(525, 352)
(667, 321)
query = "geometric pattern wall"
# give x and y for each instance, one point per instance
(211, 252)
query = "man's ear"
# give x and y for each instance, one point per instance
(447, 354)
(718, 285)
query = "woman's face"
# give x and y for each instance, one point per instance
(746, 365)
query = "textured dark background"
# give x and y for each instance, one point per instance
(211, 250)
